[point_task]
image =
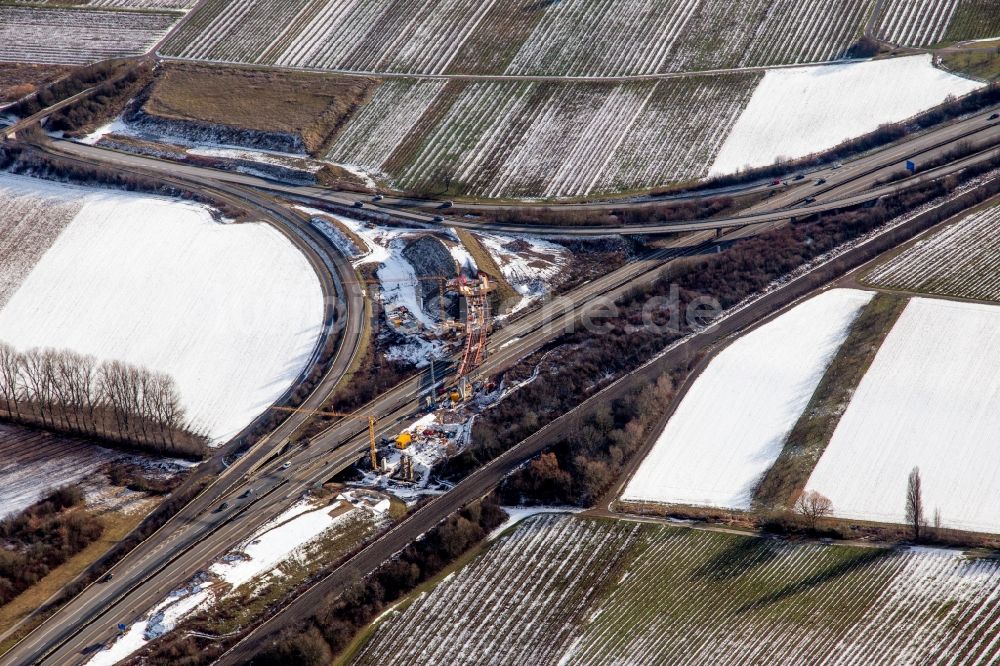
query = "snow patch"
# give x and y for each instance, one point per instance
(795, 112)
(516, 514)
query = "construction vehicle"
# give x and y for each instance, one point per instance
(403, 440)
(373, 451)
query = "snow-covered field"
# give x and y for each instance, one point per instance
(928, 400)
(566, 38)
(915, 22)
(961, 260)
(289, 537)
(77, 37)
(568, 591)
(731, 425)
(796, 112)
(157, 283)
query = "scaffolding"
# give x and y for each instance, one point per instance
(478, 320)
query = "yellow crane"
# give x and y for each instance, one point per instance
(359, 417)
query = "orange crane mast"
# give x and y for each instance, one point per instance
(478, 321)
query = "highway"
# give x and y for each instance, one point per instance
(199, 534)
(852, 183)
(346, 324)
(173, 557)
(483, 480)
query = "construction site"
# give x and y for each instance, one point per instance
(402, 462)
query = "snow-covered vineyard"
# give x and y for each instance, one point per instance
(78, 37)
(581, 591)
(915, 22)
(961, 260)
(531, 584)
(504, 138)
(372, 136)
(680, 35)
(569, 38)
(384, 35)
(174, 5)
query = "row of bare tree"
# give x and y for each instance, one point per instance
(69, 392)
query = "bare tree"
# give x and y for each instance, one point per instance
(915, 503)
(38, 380)
(76, 375)
(113, 400)
(813, 506)
(10, 372)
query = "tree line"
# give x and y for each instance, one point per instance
(76, 82)
(68, 392)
